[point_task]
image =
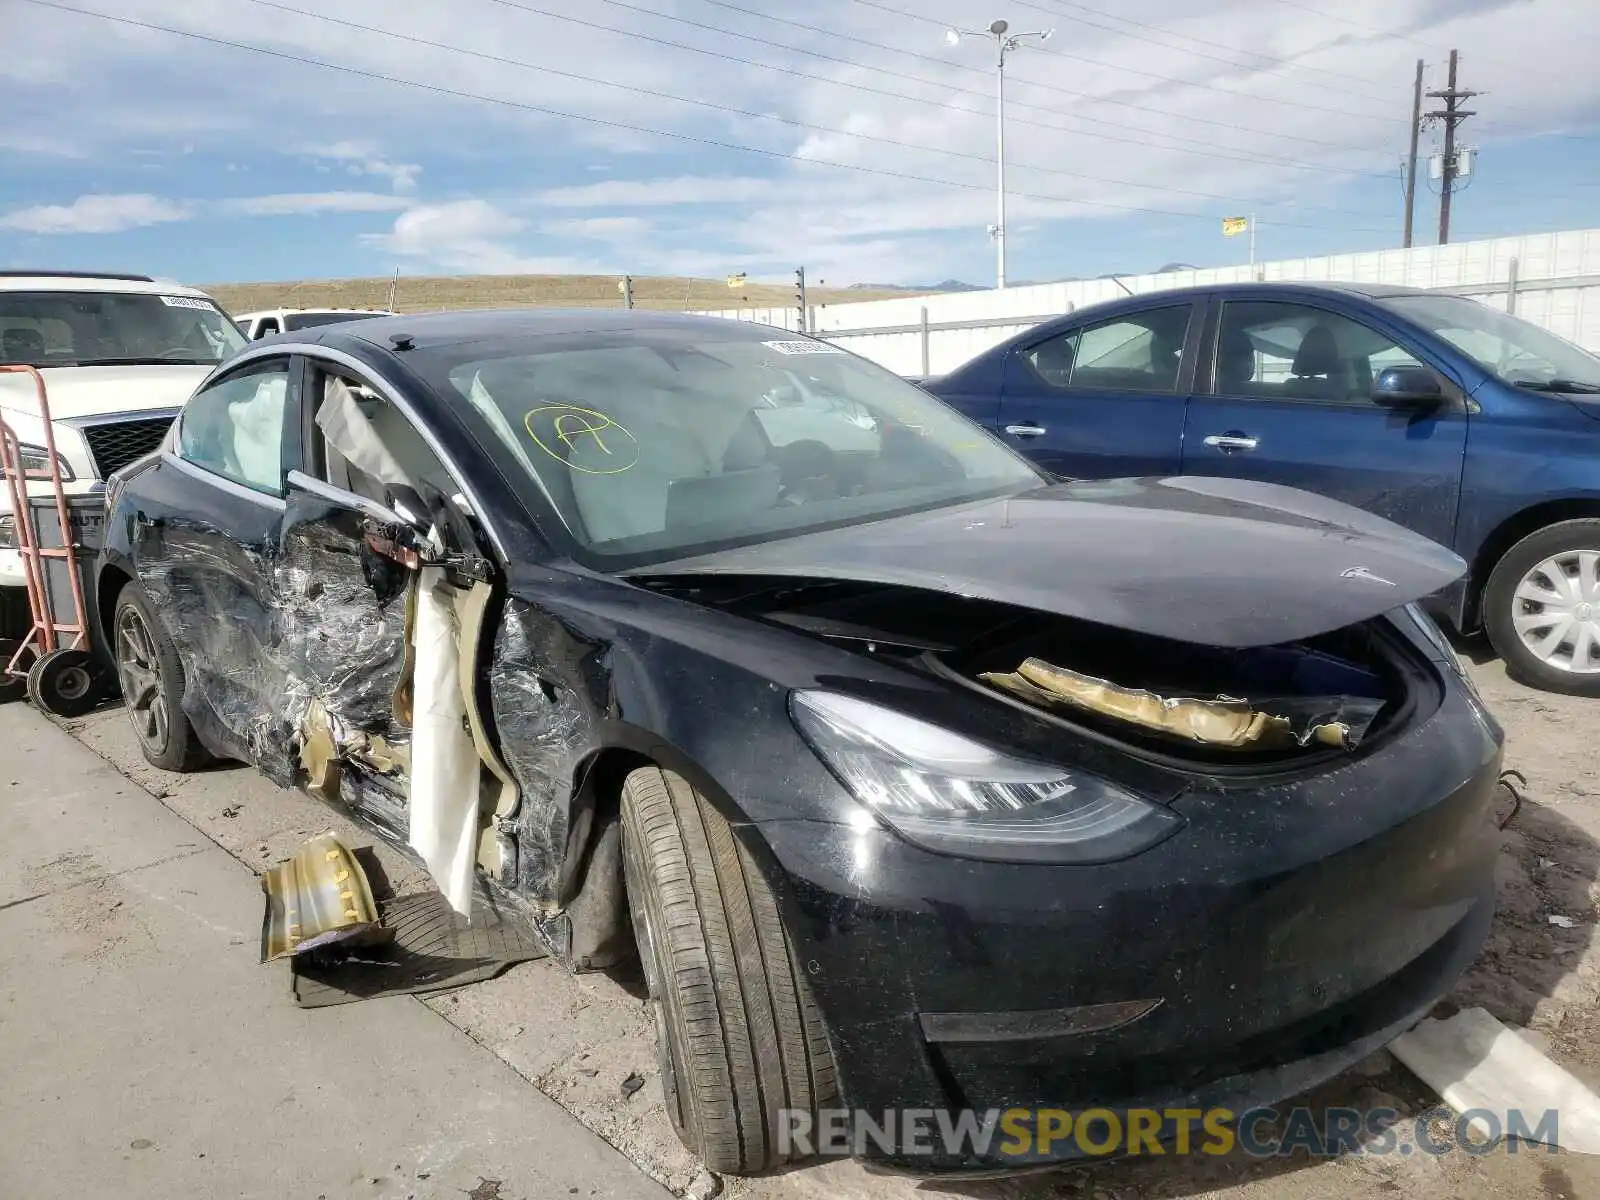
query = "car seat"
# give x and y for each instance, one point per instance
(23, 346)
(617, 499)
(1236, 360)
(1318, 372)
(1053, 360)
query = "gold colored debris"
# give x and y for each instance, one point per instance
(1224, 721)
(318, 897)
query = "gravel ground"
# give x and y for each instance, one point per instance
(579, 1038)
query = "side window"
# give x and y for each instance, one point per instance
(1136, 352)
(235, 427)
(1274, 351)
(362, 443)
(267, 325)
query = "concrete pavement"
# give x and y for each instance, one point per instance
(145, 1052)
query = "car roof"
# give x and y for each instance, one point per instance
(88, 281)
(1289, 287)
(439, 329)
(286, 312)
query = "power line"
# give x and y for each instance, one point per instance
(1230, 62)
(608, 123)
(1143, 134)
(881, 70)
(839, 35)
(523, 64)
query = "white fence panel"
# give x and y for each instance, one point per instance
(1554, 279)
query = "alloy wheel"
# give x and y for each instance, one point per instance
(1556, 611)
(139, 671)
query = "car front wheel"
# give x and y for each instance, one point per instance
(151, 675)
(1542, 608)
(738, 1036)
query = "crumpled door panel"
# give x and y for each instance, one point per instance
(545, 728)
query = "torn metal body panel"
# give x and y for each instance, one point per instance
(546, 724)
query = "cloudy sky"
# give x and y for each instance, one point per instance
(272, 139)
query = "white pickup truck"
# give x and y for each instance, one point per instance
(119, 355)
(280, 320)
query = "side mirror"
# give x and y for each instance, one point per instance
(1407, 387)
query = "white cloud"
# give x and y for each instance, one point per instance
(96, 214)
(302, 203)
(1204, 108)
(472, 236)
(642, 193)
(608, 228)
(362, 158)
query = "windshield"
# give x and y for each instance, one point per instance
(1517, 351)
(657, 444)
(87, 329)
(311, 320)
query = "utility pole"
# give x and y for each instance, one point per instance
(1411, 158)
(625, 286)
(1005, 41)
(1452, 115)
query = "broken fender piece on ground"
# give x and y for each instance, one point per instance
(1476, 1064)
(1338, 721)
(316, 898)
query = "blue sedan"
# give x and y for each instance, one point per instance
(1477, 429)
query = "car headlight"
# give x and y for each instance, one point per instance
(950, 794)
(37, 458)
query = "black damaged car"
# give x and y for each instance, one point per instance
(916, 779)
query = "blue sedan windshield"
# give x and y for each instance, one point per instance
(1517, 351)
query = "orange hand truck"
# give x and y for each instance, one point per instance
(54, 661)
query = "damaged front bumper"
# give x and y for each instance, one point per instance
(1293, 924)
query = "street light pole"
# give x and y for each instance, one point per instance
(1005, 41)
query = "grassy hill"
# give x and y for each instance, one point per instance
(429, 293)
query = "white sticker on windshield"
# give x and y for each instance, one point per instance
(188, 302)
(803, 347)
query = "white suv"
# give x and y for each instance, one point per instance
(119, 355)
(280, 320)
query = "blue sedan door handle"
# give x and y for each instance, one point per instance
(1030, 430)
(1231, 443)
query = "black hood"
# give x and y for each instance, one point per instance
(1215, 561)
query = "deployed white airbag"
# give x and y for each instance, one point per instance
(444, 760)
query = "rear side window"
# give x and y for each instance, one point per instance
(1135, 352)
(235, 427)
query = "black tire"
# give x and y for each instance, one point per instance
(13, 687)
(151, 676)
(1502, 607)
(738, 1035)
(66, 683)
